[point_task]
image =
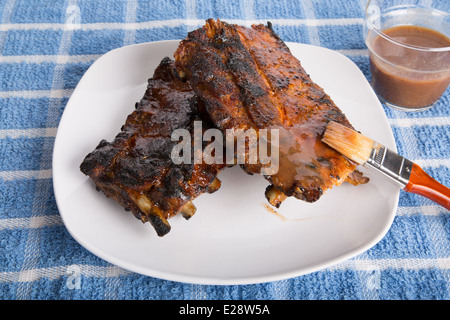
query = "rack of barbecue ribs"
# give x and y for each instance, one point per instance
(136, 168)
(229, 77)
(248, 78)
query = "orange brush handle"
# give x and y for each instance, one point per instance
(422, 184)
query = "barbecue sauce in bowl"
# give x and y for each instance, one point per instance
(407, 70)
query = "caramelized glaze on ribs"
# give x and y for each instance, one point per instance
(248, 78)
(229, 77)
(136, 167)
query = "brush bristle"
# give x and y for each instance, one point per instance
(348, 142)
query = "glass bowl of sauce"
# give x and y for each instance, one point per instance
(409, 51)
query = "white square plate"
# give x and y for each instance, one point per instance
(233, 238)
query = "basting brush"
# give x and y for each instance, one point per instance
(365, 151)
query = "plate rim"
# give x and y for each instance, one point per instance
(183, 278)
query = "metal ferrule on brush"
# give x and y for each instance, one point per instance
(391, 164)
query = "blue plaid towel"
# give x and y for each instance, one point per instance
(46, 47)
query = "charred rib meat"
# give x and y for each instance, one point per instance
(248, 78)
(136, 168)
(228, 77)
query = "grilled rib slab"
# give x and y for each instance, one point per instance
(248, 78)
(136, 168)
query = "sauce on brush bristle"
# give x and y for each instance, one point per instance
(348, 142)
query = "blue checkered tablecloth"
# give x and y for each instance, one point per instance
(41, 62)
